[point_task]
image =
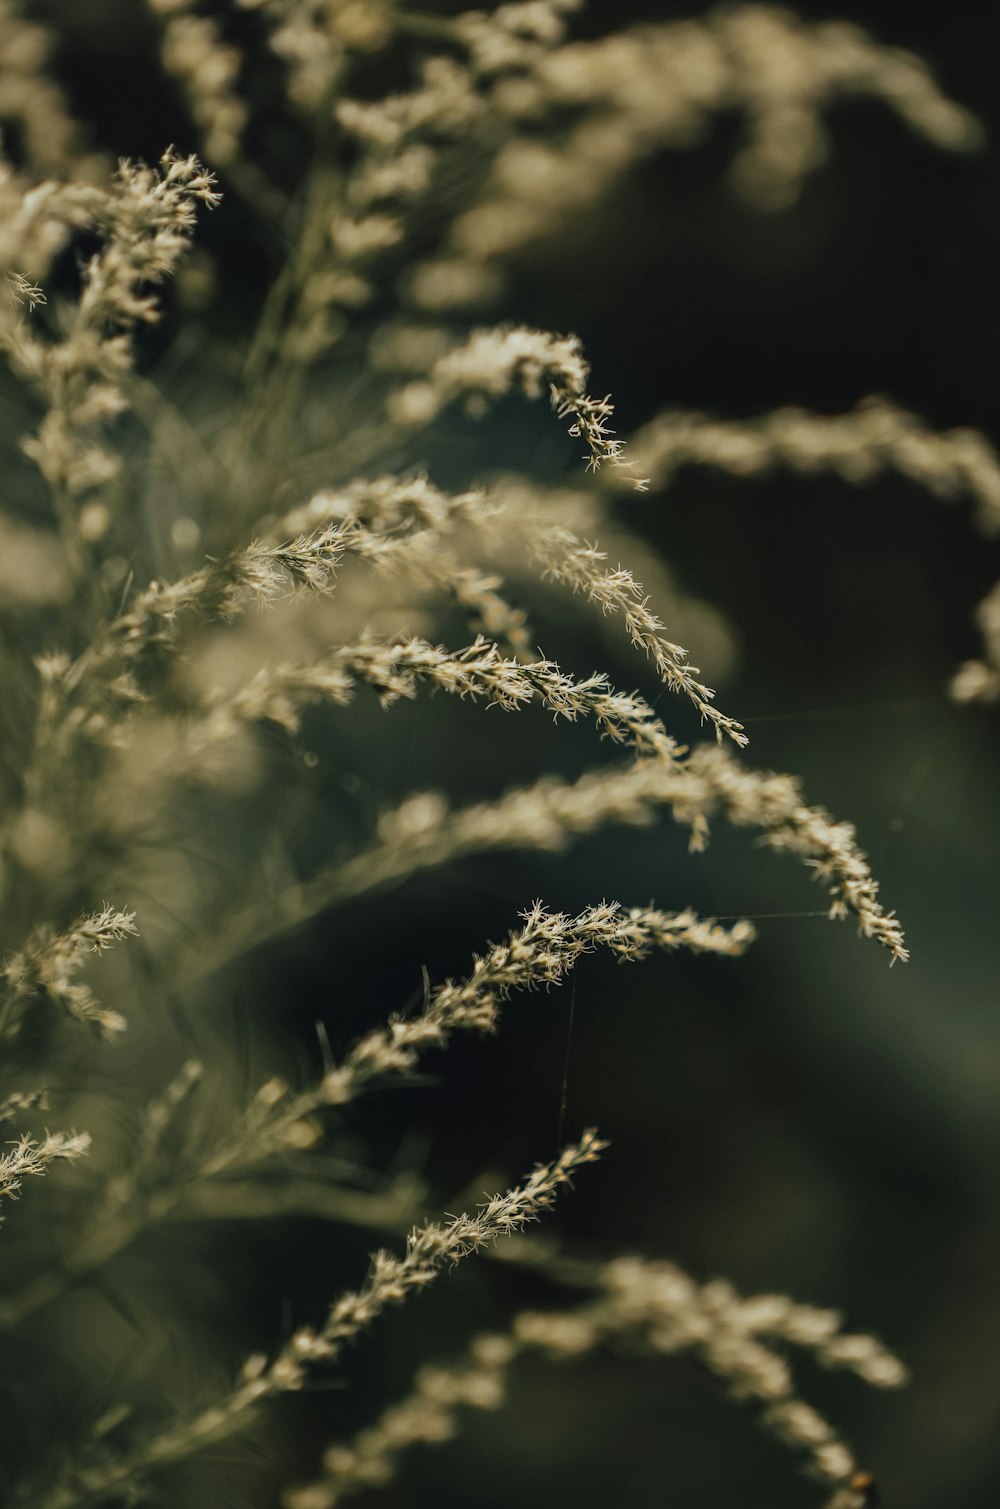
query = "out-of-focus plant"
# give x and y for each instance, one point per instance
(145, 515)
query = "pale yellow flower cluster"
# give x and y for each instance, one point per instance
(284, 477)
(46, 969)
(493, 362)
(645, 1307)
(207, 70)
(424, 832)
(391, 1280)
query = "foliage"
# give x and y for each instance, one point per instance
(147, 513)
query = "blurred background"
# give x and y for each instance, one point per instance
(804, 1120)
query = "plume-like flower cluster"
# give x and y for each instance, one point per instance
(207, 70)
(424, 833)
(541, 953)
(653, 1307)
(280, 473)
(32, 1157)
(497, 361)
(47, 965)
(146, 220)
(30, 99)
(874, 437)
(581, 567)
(150, 1191)
(391, 1280)
(623, 97)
